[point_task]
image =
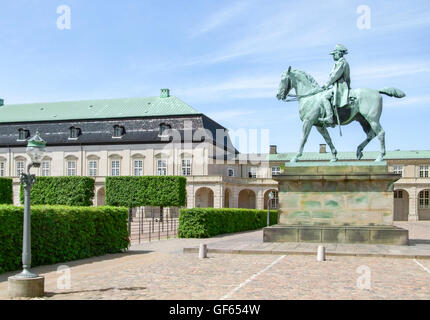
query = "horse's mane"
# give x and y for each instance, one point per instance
(307, 77)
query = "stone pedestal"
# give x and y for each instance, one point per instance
(26, 288)
(341, 202)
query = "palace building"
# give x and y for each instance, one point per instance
(165, 136)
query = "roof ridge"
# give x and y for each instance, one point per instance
(87, 100)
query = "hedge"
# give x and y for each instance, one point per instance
(131, 192)
(61, 234)
(67, 191)
(6, 191)
(209, 222)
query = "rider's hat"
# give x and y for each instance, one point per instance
(340, 48)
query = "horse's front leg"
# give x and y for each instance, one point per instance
(323, 131)
(307, 126)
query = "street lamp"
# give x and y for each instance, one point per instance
(271, 196)
(36, 147)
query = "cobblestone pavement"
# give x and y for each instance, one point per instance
(159, 270)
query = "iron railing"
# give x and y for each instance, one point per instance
(147, 224)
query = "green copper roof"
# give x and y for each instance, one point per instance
(96, 109)
(370, 155)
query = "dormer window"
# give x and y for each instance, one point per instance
(74, 133)
(23, 134)
(118, 131)
(164, 127)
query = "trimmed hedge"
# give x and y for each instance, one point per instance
(131, 192)
(61, 234)
(6, 191)
(209, 222)
(67, 191)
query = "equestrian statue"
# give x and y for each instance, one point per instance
(335, 103)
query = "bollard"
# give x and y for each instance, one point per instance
(321, 253)
(203, 252)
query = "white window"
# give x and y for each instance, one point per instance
(71, 168)
(162, 167)
(276, 171)
(273, 204)
(230, 172)
(46, 168)
(186, 167)
(92, 168)
(138, 168)
(424, 171)
(424, 199)
(398, 169)
(115, 168)
(2, 169)
(252, 172)
(20, 167)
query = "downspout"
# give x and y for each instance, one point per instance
(9, 164)
(82, 160)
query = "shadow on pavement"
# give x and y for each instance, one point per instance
(52, 294)
(413, 242)
(50, 268)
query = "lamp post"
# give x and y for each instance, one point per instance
(28, 284)
(271, 196)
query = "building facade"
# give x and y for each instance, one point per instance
(132, 137)
(164, 136)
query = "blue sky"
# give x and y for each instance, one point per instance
(224, 58)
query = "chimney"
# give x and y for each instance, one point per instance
(165, 93)
(273, 149)
(323, 148)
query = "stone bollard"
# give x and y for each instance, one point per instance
(321, 253)
(203, 252)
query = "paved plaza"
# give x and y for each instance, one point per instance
(161, 270)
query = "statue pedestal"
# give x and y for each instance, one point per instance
(341, 202)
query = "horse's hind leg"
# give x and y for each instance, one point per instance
(323, 131)
(380, 133)
(370, 135)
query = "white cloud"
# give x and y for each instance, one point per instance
(229, 114)
(408, 102)
(220, 18)
(262, 86)
(381, 71)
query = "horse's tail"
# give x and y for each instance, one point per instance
(393, 92)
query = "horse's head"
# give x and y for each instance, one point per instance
(285, 86)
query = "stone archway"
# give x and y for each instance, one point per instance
(424, 205)
(273, 202)
(401, 205)
(101, 197)
(227, 198)
(204, 198)
(247, 199)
